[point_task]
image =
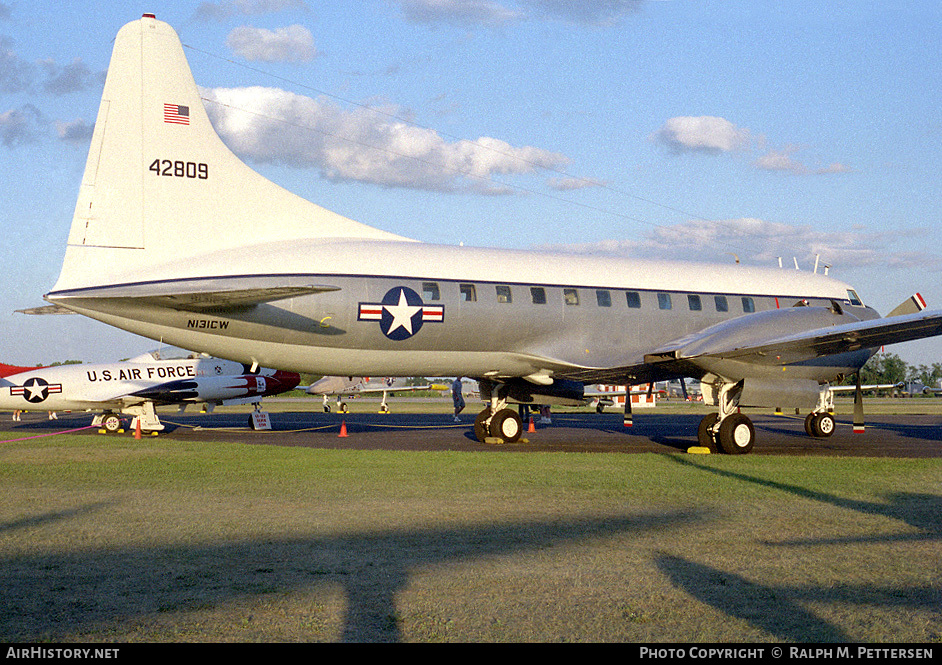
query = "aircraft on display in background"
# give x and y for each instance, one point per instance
(198, 250)
(352, 386)
(601, 396)
(134, 387)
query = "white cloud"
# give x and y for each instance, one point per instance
(759, 242)
(569, 183)
(78, 132)
(269, 125)
(702, 134)
(458, 12)
(590, 12)
(291, 44)
(20, 126)
(225, 9)
(488, 13)
(74, 77)
(783, 161)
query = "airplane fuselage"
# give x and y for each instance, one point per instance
(407, 308)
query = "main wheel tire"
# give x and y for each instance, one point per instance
(736, 435)
(506, 425)
(481, 431)
(809, 424)
(823, 425)
(705, 431)
(111, 423)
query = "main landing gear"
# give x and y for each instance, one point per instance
(728, 430)
(731, 432)
(497, 421)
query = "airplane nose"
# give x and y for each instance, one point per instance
(286, 380)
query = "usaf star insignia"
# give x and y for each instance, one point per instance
(36, 390)
(401, 313)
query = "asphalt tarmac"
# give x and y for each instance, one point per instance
(914, 436)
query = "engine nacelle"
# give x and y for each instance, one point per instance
(520, 391)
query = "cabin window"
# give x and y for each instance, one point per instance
(664, 301)
(430, 291)
(854, 298)
(538, 294)
(503, 294)
(693, 301)
(722, 305)
(604, 298)
(748, 305)
(571, 296)
(634, 299)
(468, 292)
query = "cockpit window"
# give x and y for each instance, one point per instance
(854, 299)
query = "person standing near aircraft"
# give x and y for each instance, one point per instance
(457, 398)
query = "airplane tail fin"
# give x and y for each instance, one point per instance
(161, 187)
(10, 370)
(915, 303)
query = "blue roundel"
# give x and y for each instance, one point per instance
(402, 313)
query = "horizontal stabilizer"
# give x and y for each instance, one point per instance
(207, 294)
(46, 309)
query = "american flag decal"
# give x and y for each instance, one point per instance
(176, 114)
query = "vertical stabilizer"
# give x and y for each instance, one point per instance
(159, 183)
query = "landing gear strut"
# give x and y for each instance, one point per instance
(820, 423)
(728, 430)
(497, 421)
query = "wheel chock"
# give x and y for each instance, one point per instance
(698, 450)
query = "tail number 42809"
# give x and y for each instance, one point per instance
(180, 169)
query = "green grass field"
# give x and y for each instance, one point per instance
(117, 539)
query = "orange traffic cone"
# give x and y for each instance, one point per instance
(343, 428)
(137, 428)
(531, 428)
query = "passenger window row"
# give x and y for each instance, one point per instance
(603, 297)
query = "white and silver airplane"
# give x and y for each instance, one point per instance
(135, 386)
(346, 386)
(176, 239)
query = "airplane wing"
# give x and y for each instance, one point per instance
(763, 339)
(810, 343)
(872, 386)
(206, 294)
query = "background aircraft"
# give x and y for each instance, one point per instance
(346, 386)
(135, 386)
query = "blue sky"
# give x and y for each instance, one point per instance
(676, 128)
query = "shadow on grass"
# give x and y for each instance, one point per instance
(921, 511)
(52, 596)
(777, 609)
(738, 597)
